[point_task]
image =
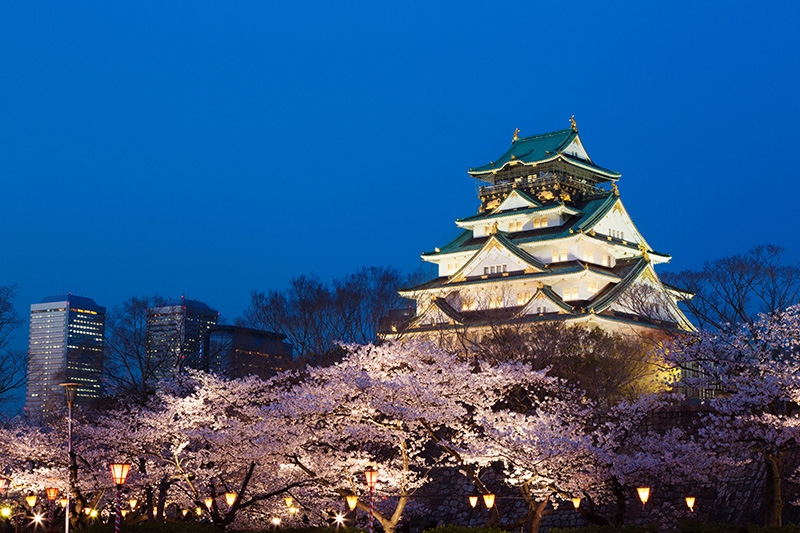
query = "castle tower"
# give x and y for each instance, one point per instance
(551, 241)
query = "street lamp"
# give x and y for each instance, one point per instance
(133, 502)
(209, 502)
(371, 475)
(352, 501)
(288, 501)
(230, 499)
(52, 493)
(690, 503)
(71, 390)
(119, 472)
(473, 501)
(644, 495)
(576, 502)
(488, 499)
(31, 499)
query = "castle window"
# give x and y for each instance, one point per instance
(468, 304)
(523, 297)
(591, 287)
(540, 222)
(505, 268)
(563, 255)
(588, 255)
(570, 293)
(606, 260)
(450, 269)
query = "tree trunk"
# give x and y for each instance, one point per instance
(773, 499)
(538, 514)
(616, 487)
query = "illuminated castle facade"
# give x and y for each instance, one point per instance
(551, 241)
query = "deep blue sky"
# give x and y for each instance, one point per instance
(211, 148)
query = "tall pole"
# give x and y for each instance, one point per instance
(71, 390)
(370, 509)
(119, 511)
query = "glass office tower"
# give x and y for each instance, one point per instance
(66, 344)
(175, 333)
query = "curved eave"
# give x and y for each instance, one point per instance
(609, 174)
(470, 222)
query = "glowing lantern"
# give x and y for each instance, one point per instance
(31, 499)
(644, 494)
(230, 498)
(124, 512)
(690, 502)
(93, 514)
(87, 510)
(576, 502)
(276, 521)
(288, 501)
(209, 502)
(132, 502)
(6, 512)
(352, 501)
(488, 499)
(371, 476)
(293, 510)
(185, 512)
(119, 472)
(63, 502)
(473, 501)
(52, 493)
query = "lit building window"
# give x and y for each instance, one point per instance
(592, 287)
(570, 293)
(606, 260)
(563, 255)
(523, 297)
(588, 255)
(450, 269)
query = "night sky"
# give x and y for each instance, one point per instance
(212, 148)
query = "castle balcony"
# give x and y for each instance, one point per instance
(541, 180)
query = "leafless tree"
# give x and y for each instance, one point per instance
(314, 316)
(609, 367)
(130, 368)
(735, 289)
(13, 363)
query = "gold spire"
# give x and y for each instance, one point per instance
(516, 131)
(572, 121)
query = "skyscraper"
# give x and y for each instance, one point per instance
(66, 344)
(234, 352)
(175, 333)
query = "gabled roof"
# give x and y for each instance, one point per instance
(547, 293)
(461, 222)
(539, 149)
(439, 305)
(497, 240)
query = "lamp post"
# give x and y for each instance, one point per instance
(488, 499)
(71, 390)
(52, 493)
(119, 472)
(644, 495)
(371, 476)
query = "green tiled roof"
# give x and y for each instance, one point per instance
(539, 148)
(592, 211)
(510, 212)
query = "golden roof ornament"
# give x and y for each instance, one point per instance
(516, 131)
(614, 188)
(574, 124)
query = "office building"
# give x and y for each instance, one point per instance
(66, 345)
(175, 334)
(235, 352)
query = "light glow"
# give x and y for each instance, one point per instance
(31, 499)
(209, 502)
(230, 498)
(288, 501)
(276, 521)
(64, 502)
(339, 519)
(690, 502)
(576, 502)
(371, 475)
(352, 501)
(132, 502)
(6, 512)
(644, 494)
(119, 472)
(488, 499)
(52, 493)
(473, 501)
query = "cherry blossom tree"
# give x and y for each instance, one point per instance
(754, 372)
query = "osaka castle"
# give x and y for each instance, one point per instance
(551, 241)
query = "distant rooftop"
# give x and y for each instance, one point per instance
(74, 301)
(191, 305)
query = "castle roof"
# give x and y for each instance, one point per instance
(562, 145)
